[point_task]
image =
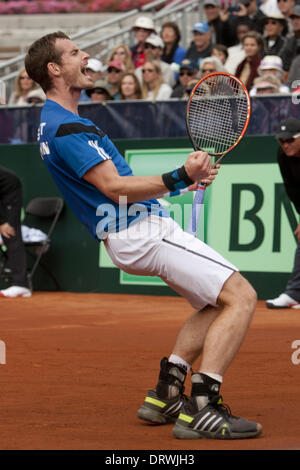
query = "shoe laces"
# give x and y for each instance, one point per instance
(224, 409)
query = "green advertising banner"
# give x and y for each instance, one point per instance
(250, 219)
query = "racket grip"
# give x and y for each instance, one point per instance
(178, 192)
(196, 210)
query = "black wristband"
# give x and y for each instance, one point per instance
(177, 179)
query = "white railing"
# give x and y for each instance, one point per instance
(176, 10)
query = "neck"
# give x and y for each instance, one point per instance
(69, 100)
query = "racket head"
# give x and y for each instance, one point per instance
(218, 113)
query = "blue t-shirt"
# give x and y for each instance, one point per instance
(70, 146)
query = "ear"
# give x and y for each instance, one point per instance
(53, 68)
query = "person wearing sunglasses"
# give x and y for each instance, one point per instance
(154, 47)
(288, 157)
(99, 92)
(275, 26)
(153, 87)
(211, 65)
(188, 71)
(115, 70)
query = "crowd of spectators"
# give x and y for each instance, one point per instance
(256, 40)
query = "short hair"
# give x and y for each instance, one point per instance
(254, 35)
(39, 54)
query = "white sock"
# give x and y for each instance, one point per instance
(179, 361)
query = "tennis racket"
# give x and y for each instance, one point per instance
(218, 114)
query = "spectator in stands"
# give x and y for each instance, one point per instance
(142, 27)
(220, 24)
(154, 46)
(288, 154)
(236, 53)
(23, 85)
(265, 85)
(122, 53)
(274, 25)
(221, 52)
(251, 10)
(153, 87)
(272, 65)
(99, 92)
(286, 8)
(130, 88)
(294, 75)
(201, 45)
(247, 70)
(173, 53)
(35, 97)
(96, 70)
(211, 65)
(292, 46)
(10, 230)
(115, 69)
(188, 72)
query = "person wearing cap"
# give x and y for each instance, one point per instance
(36, 96)
(154, 47)
(220, 23)
(271, 65)
(142, 28)
(115, 69)
(95, 69)
(99, 92)
(288, 157)
(292, 45)
(188, 72)
(266, 85)
(201, 44)
(274, 26)
(173, 53)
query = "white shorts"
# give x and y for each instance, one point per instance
(157, 246)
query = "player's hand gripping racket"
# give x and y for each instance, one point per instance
(218, 113)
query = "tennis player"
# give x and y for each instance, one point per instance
(140, 236)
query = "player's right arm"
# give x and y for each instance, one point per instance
(106, 178)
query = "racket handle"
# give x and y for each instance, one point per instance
(196, 210)
(176, 193)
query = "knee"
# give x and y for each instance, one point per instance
(238, 293)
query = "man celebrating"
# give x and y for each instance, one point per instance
(140, 236)
(289, 162)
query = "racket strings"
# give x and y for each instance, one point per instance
(217, 114)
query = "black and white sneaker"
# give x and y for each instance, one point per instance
(213, 421)
(156, 410)
(163, 405)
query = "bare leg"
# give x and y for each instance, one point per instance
(218, 332)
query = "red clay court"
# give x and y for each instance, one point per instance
(78, 367)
